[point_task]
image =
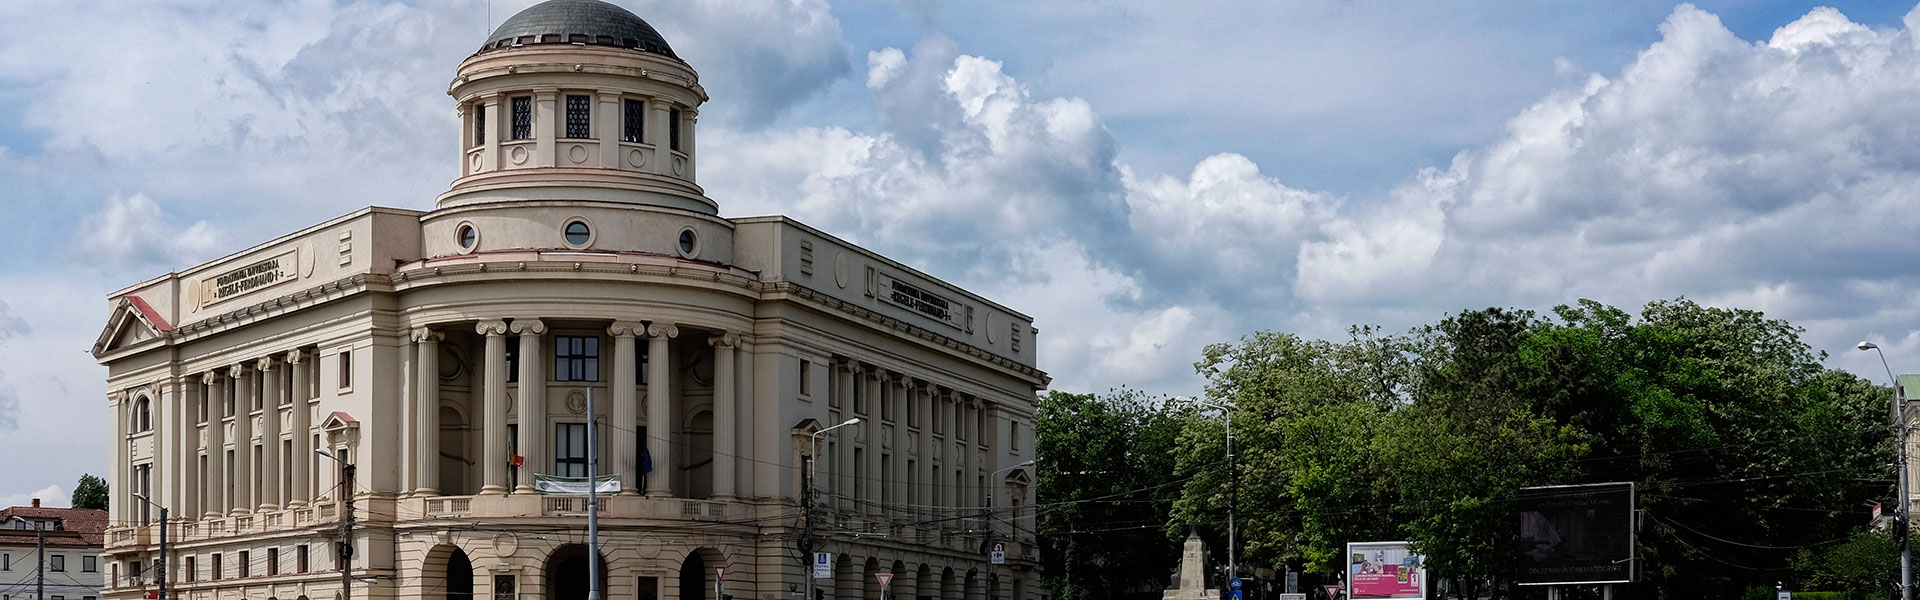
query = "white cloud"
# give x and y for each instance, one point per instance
(52, 496)
(759, 58)
(133, 230)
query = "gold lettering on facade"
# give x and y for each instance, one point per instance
(258, 275)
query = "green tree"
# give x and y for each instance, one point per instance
(1105, 474)
(90, 492)
(1866, 565)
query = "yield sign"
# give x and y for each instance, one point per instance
(720, 573)
(885, 578)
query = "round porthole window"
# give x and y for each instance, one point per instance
(577, 233)
(689, 242)
(467, 237)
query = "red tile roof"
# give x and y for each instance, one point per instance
(79, 527)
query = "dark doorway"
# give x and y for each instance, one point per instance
(693, 578)
(567, 573)
(459, 584)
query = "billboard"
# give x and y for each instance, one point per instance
(1573, 534)
(1384, 570)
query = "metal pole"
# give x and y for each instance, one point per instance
(1233, 504)
(806, 504)
(593, 502)
(40, 562)
(1902, 510)
(346, 530)
(162, 567)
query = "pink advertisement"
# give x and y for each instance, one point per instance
(1384, 570)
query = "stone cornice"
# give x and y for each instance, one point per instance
(848, 308)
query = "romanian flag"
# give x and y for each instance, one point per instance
(516, 460)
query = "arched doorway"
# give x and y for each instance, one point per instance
(693, 577)
(566, 573)
(924, 586)
(459, 583)
(697, 577)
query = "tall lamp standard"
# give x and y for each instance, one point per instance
(161, 564)
(806, 502)
(345, 551)
(1233, 490)
(990, 524)
(1902, 508)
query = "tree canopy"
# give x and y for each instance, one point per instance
(90, 492)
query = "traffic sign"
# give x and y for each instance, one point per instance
(1235, 596)
(999, 554)
(822, 565)
(1234, 583)
(719, 573)
(152, 595)
(1785, 594)
(885, 578)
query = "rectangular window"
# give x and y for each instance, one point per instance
(479, 124)
(57, 562)
(806, 377)
(640, 367)
(576, 358)
(192, 572)
(89, 564)
(216, 565)
(523, 118)
(673, 129)
(645, 460)
(570, 449)
(346, 369)
(649, 589)
(513, 362)
(635, 128)
(859, 394)
(579, 117)
(246, 564)
(1013, 434)
(301, 563)
(6, 562)
(503, 587)
(273, 561)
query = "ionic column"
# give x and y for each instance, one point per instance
(870, 429)
(744, 418)
(243, 389)
(186, 420)
(426, 418)
(659, 414)
(546, 128)
(626, 409)
(118, 476)
(946, 482)
(269, 433)
(493, 394)
(688, 118)
(214, 495)
(533, 400)
(842, 468)
(923, 397)
(302, 458)
(725, 450)
(897, 472)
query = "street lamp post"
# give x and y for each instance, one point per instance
(991, 488)
(1903, 506)
(806, 503)
(1233, 491)
(161, 564)
(345, 551)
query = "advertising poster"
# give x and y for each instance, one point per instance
(1577, 534)
(1385, 570)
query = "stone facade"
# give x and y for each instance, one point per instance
(448, 355)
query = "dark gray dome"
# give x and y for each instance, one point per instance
(589, 22)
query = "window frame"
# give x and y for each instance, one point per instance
(565, 432)
(633, 125)
(521, 108)
(479, 124)
(578, 117)
(90, 563)
(57, 563)
(576, 358)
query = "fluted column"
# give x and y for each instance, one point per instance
(302, 458)
(929, 472)
(213, 496)
(743, 418)
(118, 476)
(896, 398)
(659, 414)
(270, 475)
(847, 372)
(533, 401)
(243, 486)
(186, 502)
(493, 394)
(944, 481)
(724, 448)
(626, 409)
(426, 408)
(875, 484)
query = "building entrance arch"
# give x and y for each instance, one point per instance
(566, 573)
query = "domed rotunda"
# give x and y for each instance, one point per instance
(402, 403)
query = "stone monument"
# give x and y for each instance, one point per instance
(1190, 581)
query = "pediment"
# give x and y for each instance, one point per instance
(132, 323)
(338, 421)
(1019, 477)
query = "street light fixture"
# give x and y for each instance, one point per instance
(806, 501)
(1233, 490)
(1903, 507)
(161, 564)
(344, 554)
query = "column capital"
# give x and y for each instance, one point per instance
(744, 339)
(212, 377)
(724, 340)
(528, 326)
(663, 330)
(296, 356)
(265, 363)
(237, 370)
(627, 329)
(919, 385)
(427, 334)
(491, 327)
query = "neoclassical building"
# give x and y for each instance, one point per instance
(448, 357)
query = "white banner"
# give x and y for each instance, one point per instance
(575, 486)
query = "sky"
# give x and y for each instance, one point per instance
(1143, 177)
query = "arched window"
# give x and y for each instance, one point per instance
(142, 415)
